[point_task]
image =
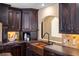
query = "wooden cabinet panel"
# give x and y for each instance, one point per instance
(14, 19)
(73, 17)
(48, 53)
(17, 21)
(77, 18)
(34, 21)
(29, 20)
(10, 20)
(65, 25)
(4, 14)
(23, 49)
(26, 20)
(62, 24)
(16, 50)
(67, 17)
(4, 20)
(4, 34)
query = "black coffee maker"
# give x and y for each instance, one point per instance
(26, 36)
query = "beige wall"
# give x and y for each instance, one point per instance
(44, 12)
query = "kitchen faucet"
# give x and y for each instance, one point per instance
(48, 37)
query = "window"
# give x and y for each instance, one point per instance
(55, 27)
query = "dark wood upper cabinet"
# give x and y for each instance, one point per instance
(26, 20)
(67, 18)
(29, 20)
(77, 19)
(34, 21)
(17, 21)
(4, 20)
(10, 18)
(73, 18)
(4, 14)
(14, 19)
(62, 22)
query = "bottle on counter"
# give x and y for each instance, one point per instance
(25, 36)
(28, 38)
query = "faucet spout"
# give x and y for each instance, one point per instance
(48, 37)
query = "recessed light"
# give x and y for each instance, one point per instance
(43, 4)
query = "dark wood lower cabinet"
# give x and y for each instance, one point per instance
(23, 49)
(34, 54)
(20, 49)
(50, 53)
(16, 50)
(29, 52)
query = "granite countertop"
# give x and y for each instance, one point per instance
(15, 42)
(62, 50)
(2, 45)
(56, 48)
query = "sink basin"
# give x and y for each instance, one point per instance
(38, 47)
(39, 44)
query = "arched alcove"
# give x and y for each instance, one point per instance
(50, 24)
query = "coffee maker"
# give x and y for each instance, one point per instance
(26, 36)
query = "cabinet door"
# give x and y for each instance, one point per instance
(4, 14)
(77, 19)
(48, 53)
(26, 21)
(14, 19)
(62, 22)
(34, 21)
(73, 17)
(17, 20)
(66, 18)
(4, 34)
(16, 50)
(10, 19)
(23, 49)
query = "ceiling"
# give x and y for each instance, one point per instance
(30, 5)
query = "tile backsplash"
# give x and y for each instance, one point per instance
(71, 40)
(13, 36)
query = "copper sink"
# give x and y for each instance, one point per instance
(39, 44)
(38, 47)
